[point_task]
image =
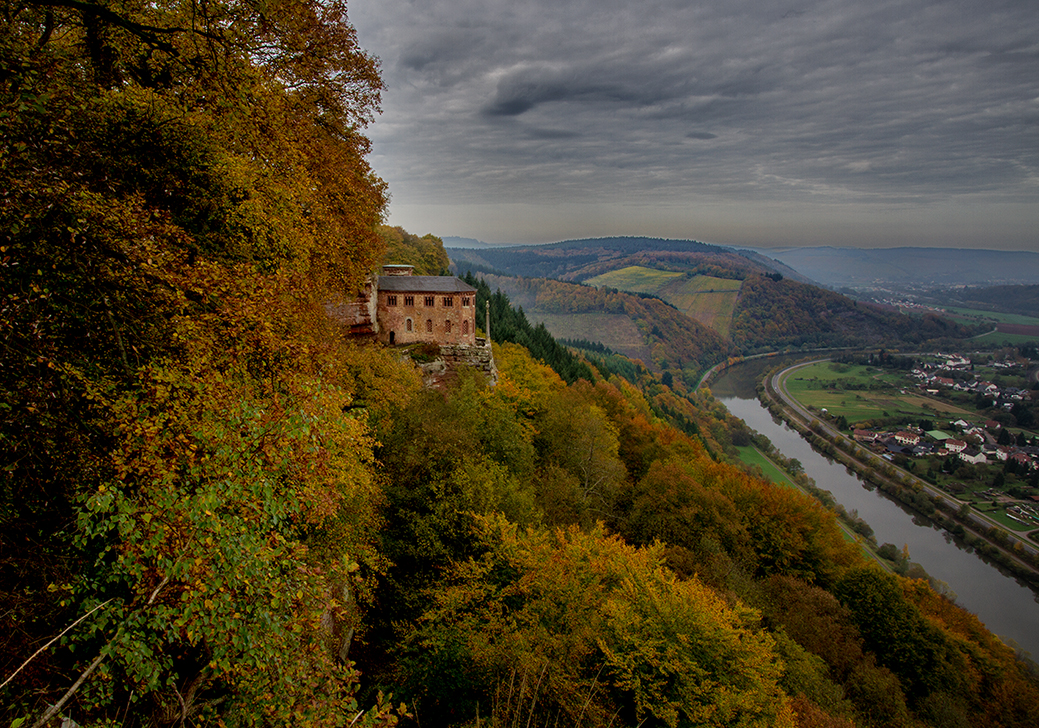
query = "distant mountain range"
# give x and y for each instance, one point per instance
(858, 269)
(909, 268)
(453, 241)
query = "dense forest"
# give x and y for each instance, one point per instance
(772, 313)
(218, 510)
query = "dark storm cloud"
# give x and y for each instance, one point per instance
(820, 105)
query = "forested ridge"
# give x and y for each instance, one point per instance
(1007, 299)
(772, 313)
(578, 260)
(217, 510)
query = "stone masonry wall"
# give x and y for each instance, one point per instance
(406, 318)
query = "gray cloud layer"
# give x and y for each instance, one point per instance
(744, 121)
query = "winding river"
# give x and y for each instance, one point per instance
(1005, 606)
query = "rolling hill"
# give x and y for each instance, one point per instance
(579, 260)
(752, 307)
(706, 299)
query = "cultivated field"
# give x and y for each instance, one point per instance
(710, 301)
(998, 338)
(1001, 318)
(862, 393)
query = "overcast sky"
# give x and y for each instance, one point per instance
(743, 122)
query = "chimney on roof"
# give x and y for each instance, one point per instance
(396, 269)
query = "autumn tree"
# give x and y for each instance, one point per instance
(184, 187)
(581, 627)
(426, 253)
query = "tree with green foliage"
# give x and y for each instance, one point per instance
(425, 253)
(892, 627)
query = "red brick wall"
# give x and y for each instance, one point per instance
(454, 324)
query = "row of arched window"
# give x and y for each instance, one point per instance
(447, 301)
(408, 326)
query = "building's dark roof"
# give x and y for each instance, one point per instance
(425, 284)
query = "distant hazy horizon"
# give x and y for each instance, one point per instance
(747, 123)
(458, 241)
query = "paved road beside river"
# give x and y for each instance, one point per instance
(776, 389)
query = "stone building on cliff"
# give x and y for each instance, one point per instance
(437, 309)
(399, 308)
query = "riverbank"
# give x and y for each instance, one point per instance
(989, 539)
(855, 530)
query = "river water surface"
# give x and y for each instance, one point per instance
(1005, 606)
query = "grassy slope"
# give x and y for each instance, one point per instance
(636, 278)
(752, 456)
(706, 299)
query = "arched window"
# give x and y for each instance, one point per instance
(407, 325)
(447, 326)
(429, 326)
(465, 327)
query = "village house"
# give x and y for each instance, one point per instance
(1021, 458)
(955, 445)
(864, 435)
(907, 438)
(972, 456)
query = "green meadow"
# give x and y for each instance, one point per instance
(635, 278)
(752, 456)
(995, 316)
(998, 338)
(862, 393)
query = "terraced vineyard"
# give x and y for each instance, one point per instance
(616, 331)
(711, 301)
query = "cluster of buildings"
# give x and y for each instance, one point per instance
(972, 444)
(934, 378)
